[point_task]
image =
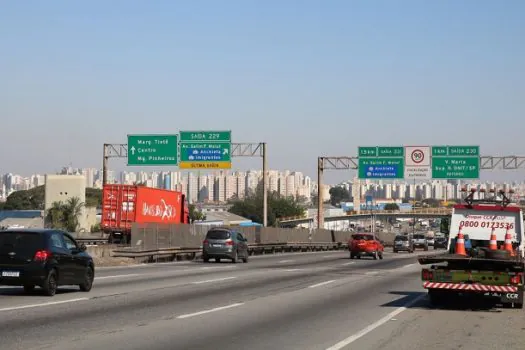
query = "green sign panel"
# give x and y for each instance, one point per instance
(205, 150)
(390, 151)
(146, 150)
(203, 136)
(455, 162)
(381, 168)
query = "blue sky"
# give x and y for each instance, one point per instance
(309, 77)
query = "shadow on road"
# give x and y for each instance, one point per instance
(37, 292)
(454, 303)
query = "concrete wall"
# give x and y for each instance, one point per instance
(59, 188)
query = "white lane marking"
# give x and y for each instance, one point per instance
(409, 265)
(291, 270)
(43, 304)
(118, 276)
(327, 256)
(321, 284)
(370, 273)
(209, 310)
(214, 280)
(349, 263)
(285, 261)
(378, 323)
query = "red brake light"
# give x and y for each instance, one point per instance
(516, 279)
(42, 255)
(426, 275)
(229, 242)
(205, 242)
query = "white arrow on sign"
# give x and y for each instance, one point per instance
(225, 151)
(132, 150)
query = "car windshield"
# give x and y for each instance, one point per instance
(401, 238)
(419, 237)
(20, 242)
(218, 234)
(363, 237)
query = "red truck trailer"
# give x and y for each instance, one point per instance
(123, 205)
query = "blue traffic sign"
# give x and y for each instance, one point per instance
(204, 154)
(381, 168)
(382, 171)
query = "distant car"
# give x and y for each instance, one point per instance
(440, 242)
(403, 243)
(430, 241)
(420, 241)
(46, 258)
(224, 243)
(365, 244)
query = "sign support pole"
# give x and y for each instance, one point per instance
(265, 185)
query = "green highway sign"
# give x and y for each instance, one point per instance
(379, 162)
(205, 136)
(455, 162)
(144, 150)
(205, 150)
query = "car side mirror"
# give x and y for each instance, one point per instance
(83, 247)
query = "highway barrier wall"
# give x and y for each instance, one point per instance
(158, 236)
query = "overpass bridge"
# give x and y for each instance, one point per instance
(427, 213)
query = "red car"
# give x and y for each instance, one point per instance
(365, 244)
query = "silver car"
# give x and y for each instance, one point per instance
(224, 243)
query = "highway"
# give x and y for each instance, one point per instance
(318, 300)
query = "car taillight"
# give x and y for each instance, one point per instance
(230, 242)
(42, 255)
(517, 278)
(426, 275)
(205, 242)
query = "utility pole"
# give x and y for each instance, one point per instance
(320, 211)
(265, 185)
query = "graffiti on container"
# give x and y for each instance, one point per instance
(162, 210)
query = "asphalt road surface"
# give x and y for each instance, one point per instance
(301, 301)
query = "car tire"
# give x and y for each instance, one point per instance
(29, 288)
(88, 280)
(235, 257)
(395, 251)
(245, 258)
(50, 285)
(375, 255)
(381, 256)
(217, 260)
(352, 256)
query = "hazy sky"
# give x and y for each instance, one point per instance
(309, 77)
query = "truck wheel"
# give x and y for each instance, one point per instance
(435, 296)
(518, 306)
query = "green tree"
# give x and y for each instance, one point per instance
(66, 215)
(445, 225)
(196, 215)
(252, 207)
(391, 206)
(339, 194)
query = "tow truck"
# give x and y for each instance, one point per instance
(491, 263)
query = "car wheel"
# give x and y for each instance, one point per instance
(375, 255)
(234, 258)
(245, 258)
(28, 288)
(351, 256)
(395, 251)
(88, 280)
(50, 284)
(217, 260)
(381, 255)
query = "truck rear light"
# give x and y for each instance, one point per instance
(517, 279)
(229, 242)
(42, 256)
(426, 275)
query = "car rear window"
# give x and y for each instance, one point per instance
(218, 234)
(401, 238)
(362, 237)
(20, 242)
(419, 236)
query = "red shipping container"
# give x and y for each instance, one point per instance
(122, 205)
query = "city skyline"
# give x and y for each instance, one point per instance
(309, 81)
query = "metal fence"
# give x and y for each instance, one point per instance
(158, 236)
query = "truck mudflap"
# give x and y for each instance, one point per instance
(475, 287)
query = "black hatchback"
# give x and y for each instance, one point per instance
(46, 258)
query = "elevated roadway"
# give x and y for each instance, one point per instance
(430, 213)
(297, 301)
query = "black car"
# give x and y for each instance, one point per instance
(440, 242)
(46, 258)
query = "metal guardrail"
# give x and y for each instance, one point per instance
(253, 249)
